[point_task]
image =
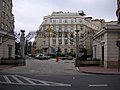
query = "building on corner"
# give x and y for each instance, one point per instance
(7, 39)
(58, 31)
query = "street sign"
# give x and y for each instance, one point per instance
(118, 43)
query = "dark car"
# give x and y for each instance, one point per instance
(30, 55)
(66, 57)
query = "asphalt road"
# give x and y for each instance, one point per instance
(59, 82)
(64, 79)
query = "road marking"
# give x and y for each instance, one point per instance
(44, 83)
(7, 79)
(98, 85)
(18, 80)
(30, 81)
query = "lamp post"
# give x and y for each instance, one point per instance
(49, 30)
(77, 61)
(22, 45)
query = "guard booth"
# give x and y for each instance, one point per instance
(82, 54)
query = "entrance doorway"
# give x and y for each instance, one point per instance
(102, 55)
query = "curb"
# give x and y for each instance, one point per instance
(81, 71)
(99, 73)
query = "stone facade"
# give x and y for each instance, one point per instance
(7, 39)
(62, 33)
(104, 45)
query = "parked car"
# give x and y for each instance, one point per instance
(66, 57)
(17, 57)
(42, 56)
(30, 55)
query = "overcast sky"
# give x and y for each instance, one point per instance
(29, 13)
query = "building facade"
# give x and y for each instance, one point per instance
(105, 45)
(58, 31)
(7, 39)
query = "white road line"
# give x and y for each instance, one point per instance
(18, 80)
(44, 83)
(7, 79)
(98, 85)
(31, 82)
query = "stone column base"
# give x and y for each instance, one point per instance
(111, 64)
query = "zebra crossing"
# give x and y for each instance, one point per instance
(21, 80)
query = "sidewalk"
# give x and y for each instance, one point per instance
(99, 70)
(36, 66)
(3, 67)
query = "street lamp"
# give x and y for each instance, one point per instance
(22, 45)
(77, 61)
(49, 30)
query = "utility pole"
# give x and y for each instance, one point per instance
(49, 30)
(22, 47)
(77, 61)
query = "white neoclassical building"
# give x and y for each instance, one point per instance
(7, 38)
(58, 30)
(105, 45)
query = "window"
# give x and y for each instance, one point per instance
(80, 20)
(54, 21)
(66, 41)
(60, 41)
(72, 21)
(66, 34)
(8, 7)
(71, 42)
(6, 28)
(9, 51)
(44, 35)
(45, 21)
(66, 28)
(82, 28)
(65, 50)
(71, 35)
(60, 28)
(60, 21)
(75, 19)
(95, 50)
(44, 42)
(59, 34)
(3, 14)
(71, 50)
(50, 19)
(7, 17)
(71, 28)
(4, 4)
(66, 21)
(2, 26)
(54, 35)
(54, 41)
(82, 36)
